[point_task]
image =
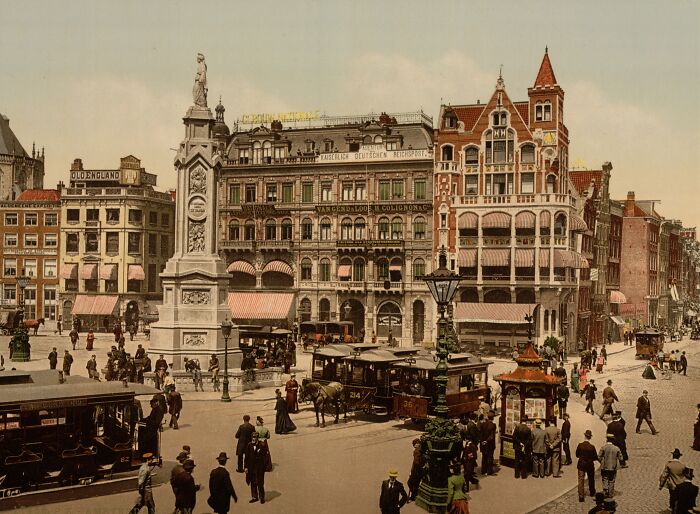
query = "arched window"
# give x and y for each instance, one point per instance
(547, 111)
(538, 111)
(249, 230)
(324, 270)
(306, 269)
(378, 139)
(551, 183)
(383, 228)
(418, 269)
(527, 154)
(447, 153)
(358, 270)
(305, 309)
(307, 229)
(397, 228)
(344, 270)
(419, 228)
(324, 309)
(325, 229)
(359, 229)
(257, 152)
(286, 229)
(471, 156)
(395, 270)
(270, 230)
(389, 320)
(234, 230)
(267, 152)
(346, 229)
(560, 225)
(382, 269)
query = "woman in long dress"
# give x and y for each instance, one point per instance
(574, 378)
(583, 378)
(696, 442)
(283, 423)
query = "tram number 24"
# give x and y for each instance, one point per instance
(355, 395)
(9, 493)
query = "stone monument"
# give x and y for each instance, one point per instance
(195, 281)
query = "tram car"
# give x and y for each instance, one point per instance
(327, 363)
(323, 332)
(648, 343)
(416, 394)
(57, 431)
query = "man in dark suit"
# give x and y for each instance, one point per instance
(487, 436)
(617, 429)
(644, 412)
(393, 495)
(686, 493)
(587, 455)
(53, 358)
(522, 444)
(244, 436)
(256, 458)
(565, 438)
(186, 489)
(220, 487)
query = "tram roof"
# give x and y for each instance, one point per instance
(384, 355)
(425, 361)
(343, 350)
(24, 387)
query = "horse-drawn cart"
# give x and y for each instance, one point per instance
(648, 343)
(9, 321)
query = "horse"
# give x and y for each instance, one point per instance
(33, 323)
(322, 395)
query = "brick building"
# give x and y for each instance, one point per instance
(30, 242)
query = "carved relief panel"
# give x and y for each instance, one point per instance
(195, 296)
(194, 339)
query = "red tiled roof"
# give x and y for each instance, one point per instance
(469, 114)
(545, 77)
(527, 375)
(524, 110)
(51, 195)
(582, 179)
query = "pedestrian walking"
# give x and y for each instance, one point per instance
(660, 359)
(59, 324)
(145, 498)
(604, 354)
(89, 340)
(174, 407)
(522, 444)
(53, 358)
(177, 470)
(599, 364)
(186, 490)
(553, 440)
(416, 474)
(393, 495)
(594, 355)
(672, 476)
(73, 335)
(67, 362)
(292, 389)
(609, 398)
(565, 439)
(257, 463)
(684, 364)
(457, 497)
(244, 434)
(575, 378)
(487, 438)
(539, 450)
(92, 368)
(617, 428)
(586, 455)
(644, 413)
(469, 460)
(283, 423)
(214, 370)
(220, 487)
(686, 493)
(562, 399)
(261, 429)
(589, 392)
(610, 458)
(672, 361)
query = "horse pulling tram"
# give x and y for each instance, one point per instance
(648, 343)
(56, 432)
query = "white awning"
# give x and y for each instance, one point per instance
(136, 272)
(499, 313)
(617, 297)
(617, 320)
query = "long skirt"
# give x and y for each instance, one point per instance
(574, 384)
(459, 507)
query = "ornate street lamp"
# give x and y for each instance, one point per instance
(226, 326)
(441, 441)
(347, 308)
(20, 337)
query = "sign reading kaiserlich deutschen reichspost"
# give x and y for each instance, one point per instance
(375, 155)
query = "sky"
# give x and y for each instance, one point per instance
(101, 80)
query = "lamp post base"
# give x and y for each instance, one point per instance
(432, 499)
(225, 396)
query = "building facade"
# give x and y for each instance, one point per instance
(18, 170)
(30, 244)
(339, 213)
(504, 210)
(117, 234)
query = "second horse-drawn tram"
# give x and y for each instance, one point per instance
(57, 431)
(648, 343)
(416, 392)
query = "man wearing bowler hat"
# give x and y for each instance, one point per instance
(587, 455)
(672, 476)
(186, 490)
(256, 464)
(220, 487)
(393, 495)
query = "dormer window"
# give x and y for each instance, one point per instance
(309, 146)
(450, 121)
(500, 119)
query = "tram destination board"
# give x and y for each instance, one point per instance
(53, 404)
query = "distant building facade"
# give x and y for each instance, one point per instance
(18, 170)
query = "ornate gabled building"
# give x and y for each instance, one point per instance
(19, 171)
(337, 212)
(506, 212)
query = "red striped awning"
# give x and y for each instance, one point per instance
(344, 270)
(569, 259)
(524, 258)
(69, 271)
(468, 220)
(466, 258)
(525, 219)
(135, 272)
(108, 272)
(88, 272)
(261, 306)
(545, 219)
(576, 223)
(94, 305)
(495, 257)
(617, 297)
(496, 220)
(544, 258)
(500, 313)
(279, 267)
(241, 267)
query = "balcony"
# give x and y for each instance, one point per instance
(496, 240)
(513, 199)
(525, 240)
(237, 245)
(394, 287)
(351, 285)
(358, 244)
(274, 245)
(385, 244)
(446, 166)
(468, 241)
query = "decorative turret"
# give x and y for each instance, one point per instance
(220, 129)
(545, 77)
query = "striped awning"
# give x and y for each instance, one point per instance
(108, 272)
(395, 267)
(69, 271)
(569, 259)
(495, 257)
(466, 258)
(344, 270)
(576, 223)
(135, 272)
(617, 297)
(279, 267)
(545, 219)
(525, 219)
(261, 306)
(468, 220)
(241, 267)
(88, 272)
(496, 220)
(95, 305)
(500, 313)
(524, 258)
(544, 258)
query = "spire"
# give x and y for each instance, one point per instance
(500, 85)
(545, 77)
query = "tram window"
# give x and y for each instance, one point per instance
(466, 383)
(11, 421)
(380, 376)
(356, 375)
(479, 380)
(453, 384)
(100, 420)
(340, 371)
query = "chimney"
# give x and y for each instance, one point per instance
(629, 204)
(77, 165)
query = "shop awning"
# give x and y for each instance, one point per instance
(495, 257)
(69, 271)
(544, 258)
(88, 272)
(525, 219)
(617, 320)
(135, 272)
(108, 272)
(569, 259)
(576, 223)
(501, 313)
(261, 306)
(344, 271)
(395, 267)
(496, 220)
(279, 267)
(95, 305)
(545, 219)
(241, 267)
(468, 220)
(617, 297)
(466, 258)
(524, 258)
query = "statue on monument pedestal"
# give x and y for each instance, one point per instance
(199, 90)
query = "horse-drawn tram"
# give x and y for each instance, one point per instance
(648, 343)
(328, 362)
(57, 431)
(416, 394)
